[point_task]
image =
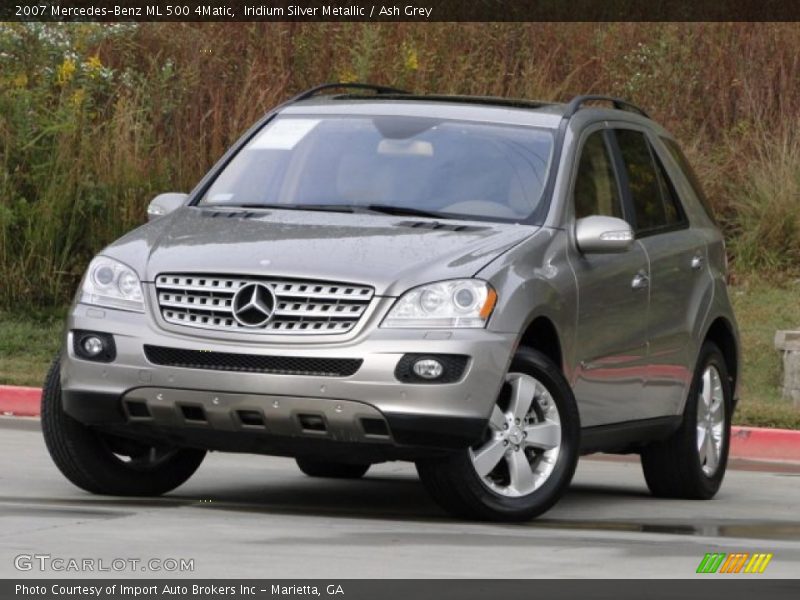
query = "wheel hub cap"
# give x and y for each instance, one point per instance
(516, 436)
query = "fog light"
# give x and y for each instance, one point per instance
(428, 368)
(431, 369)
(93, 345)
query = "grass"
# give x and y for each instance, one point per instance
(28, 345)
(763, 307)
(95, 119)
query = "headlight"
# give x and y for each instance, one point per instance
(456, 303)
(110, 283)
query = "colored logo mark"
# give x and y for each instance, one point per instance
(738, 562)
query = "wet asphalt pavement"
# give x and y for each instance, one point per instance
(252, 516)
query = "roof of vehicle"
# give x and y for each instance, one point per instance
(388, 101)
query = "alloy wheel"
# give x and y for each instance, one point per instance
(710, 420)
(523, 441)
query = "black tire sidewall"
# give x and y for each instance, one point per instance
(710, 355)
(83, 458)
(314, 467)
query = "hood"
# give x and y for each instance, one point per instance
(390, 253)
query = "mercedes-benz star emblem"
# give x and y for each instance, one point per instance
(253, 304)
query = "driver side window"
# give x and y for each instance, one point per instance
(596, 189)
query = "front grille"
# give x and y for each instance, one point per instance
(300, 306)
(252, 363)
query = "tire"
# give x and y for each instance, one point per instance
(676, 467)
(507, 491)
(104, 464)
(321, 468)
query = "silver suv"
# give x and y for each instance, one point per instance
(487, 287)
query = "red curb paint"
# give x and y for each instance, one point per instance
(20, 401)
(760, 443)
(750, 443)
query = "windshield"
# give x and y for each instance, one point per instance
(405, 165)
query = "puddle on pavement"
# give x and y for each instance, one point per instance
(101, 501)
(761, 530)
(40, 512)
(112, 508)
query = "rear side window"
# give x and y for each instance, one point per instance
(654, 201)
(689, 173)
(672, 204)
(596, 190)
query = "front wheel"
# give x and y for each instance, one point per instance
(691, 463)
(527, 456)
(104, 464)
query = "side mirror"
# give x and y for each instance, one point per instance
(163, 204)
(603, 235)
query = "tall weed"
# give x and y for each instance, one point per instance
(96, 119)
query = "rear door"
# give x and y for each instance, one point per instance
(678, 274)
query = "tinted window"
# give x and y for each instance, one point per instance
(643, 180)
(672, 206)
(596, 190)
(453, 168)
(655, 202)
(689, 173)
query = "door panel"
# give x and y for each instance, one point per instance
(679, 278)
(680, 291)
(611, 337)
(610, 363)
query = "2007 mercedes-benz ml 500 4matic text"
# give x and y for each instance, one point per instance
(486, 287)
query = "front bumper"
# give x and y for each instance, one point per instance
(445, 416)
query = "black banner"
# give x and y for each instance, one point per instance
(395, 589)
(403, 10)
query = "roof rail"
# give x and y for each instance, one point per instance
(618, 103)
(378, 89)
(486, 100)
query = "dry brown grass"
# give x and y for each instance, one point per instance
(73, 178)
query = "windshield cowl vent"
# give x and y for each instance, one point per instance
(229, 214)
(438, 226)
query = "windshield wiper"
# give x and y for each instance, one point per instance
(388, 209)
(385, 209)
(316, 207)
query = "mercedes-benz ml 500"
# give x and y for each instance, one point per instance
(486, 287)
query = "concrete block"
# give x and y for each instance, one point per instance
(788, 344)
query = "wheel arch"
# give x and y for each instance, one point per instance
(542, 335)
(722, 333)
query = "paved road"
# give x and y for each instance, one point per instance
(249, 516)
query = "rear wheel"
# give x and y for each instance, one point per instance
(105, 464)
(691, 463)
(322, 468)
(527, 456)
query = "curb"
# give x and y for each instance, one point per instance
(761, 443)
(750, 443)
(18, 401)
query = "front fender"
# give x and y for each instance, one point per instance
(535, 280)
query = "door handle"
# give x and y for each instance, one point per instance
(640, 281)
(697, 262)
